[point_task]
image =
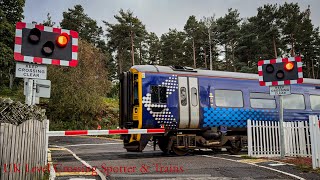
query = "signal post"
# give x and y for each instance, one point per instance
(279, 74)
(36, 45)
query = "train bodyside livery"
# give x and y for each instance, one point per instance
(202, 108)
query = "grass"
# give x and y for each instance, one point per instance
(248, 157)
(302, 163)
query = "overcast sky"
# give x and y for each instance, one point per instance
(157, 15)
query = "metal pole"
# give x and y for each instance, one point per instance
(34, 92)
(29, 92)
(282, 149)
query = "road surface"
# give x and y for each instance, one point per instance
(103, 158)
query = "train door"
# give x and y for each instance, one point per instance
(188, 103)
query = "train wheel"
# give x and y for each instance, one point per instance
(235, 149)
(179, 151)
(163, 144)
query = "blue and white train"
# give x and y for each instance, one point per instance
(202, 108)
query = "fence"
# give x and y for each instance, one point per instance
(300, 139)
(315, 136)
(23, 141)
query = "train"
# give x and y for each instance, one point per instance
(203, 109)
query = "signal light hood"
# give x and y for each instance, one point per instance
(48, 48)
(34, 35)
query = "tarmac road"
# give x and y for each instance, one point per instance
(77, 157)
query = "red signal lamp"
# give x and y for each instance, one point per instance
(289, 66)
(62, 40)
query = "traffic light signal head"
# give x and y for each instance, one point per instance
(45, 45)
(283, 71)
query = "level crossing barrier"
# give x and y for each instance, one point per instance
(104, 132)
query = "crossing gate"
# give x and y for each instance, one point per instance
(104, 132)
(301, 138)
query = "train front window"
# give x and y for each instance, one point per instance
(158, 94)
(163, 94)
(154, 94)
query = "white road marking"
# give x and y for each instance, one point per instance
(52, 175)
(288, 174)
(80, 179)
(84, 162)
(277, 164)
(75, 145)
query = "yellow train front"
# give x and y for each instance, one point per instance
(198, 108)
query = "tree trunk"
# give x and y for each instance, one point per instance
(205, 58)
(140, 53)
(292, 46)
(194, 54)
(233, 59)
(275, 48)
(132, 48)
(226, 56)
(119, 62)
(211, 63)
(313, 75)
(317, 75)
(11, 80)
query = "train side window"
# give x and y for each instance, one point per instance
(183, 96)
(262, 100)
(315, 102)
(229, 98)
(194, 96)
(158, 94)
(293, 101)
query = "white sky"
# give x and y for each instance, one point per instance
(157, 15)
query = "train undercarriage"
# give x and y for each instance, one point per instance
(182, 142)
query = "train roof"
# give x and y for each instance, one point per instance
(202, 72)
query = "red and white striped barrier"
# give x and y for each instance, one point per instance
(104, 132)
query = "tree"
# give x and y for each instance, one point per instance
(77, 93)
(228, 35)
(10, 13)
(154, 49)
(173, 49)
(197, 40)
(124, 37)
(259, 38)
(48, 21)
(211, 26)
(75, 19)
